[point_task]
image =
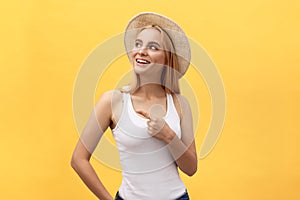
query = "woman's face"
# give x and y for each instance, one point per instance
(148, 52)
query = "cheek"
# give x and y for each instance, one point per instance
(132, 55)
(159, 58)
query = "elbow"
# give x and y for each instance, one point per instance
(74, 162)
(192, 171)
(77, 162)
(189, 172)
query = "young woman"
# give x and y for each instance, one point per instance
(150, 121)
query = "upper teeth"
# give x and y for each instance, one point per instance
(142, 61)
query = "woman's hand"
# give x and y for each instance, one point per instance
(158, 128)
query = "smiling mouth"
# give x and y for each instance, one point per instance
(142, 61)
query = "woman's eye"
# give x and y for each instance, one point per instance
(137, 45)
(153, 47)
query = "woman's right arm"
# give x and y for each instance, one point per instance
(98, 122)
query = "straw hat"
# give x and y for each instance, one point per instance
(178, 37)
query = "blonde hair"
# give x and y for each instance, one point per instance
(170, 74)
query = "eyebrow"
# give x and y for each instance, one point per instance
(151, 42)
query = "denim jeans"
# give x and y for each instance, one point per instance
(185, 196)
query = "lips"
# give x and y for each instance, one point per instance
(142, 61)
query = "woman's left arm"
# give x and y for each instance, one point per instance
(183, 150)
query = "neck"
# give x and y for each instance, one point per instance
(147, 79)
(150, 90)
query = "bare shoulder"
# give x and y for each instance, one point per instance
(110, 96)
(107, 100)
(181, 104)
(109, 106)
(181, 98)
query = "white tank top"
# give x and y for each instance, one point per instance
(148, 169)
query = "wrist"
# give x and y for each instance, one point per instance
(169, 136)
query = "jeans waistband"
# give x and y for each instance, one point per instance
(185, 196)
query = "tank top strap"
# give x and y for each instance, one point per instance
(172, 111)
(125, 97)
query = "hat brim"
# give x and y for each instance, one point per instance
(176, 34)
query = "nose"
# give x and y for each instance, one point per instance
(142, 51)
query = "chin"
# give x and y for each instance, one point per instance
(139, 70)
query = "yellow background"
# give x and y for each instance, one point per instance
(255, 45)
